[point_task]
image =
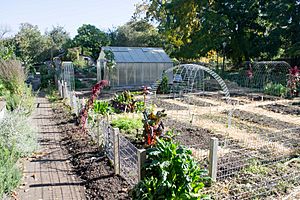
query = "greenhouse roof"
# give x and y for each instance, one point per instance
(139, 54)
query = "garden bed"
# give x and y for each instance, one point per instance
(262, 120)
(283, 109)
(90, 162)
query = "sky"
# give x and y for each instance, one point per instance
(71, 14)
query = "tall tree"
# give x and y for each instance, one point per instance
(91, 39)
(57, 38)
(30, 43)
(249, 29)
(138, 33)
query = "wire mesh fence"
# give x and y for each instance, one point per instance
(256, 162)
(128, 160)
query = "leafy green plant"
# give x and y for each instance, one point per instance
(124, 102)
(10, 175)
(102, 107)
(276, 90)
(52, 94)
(16, 131)
(129, 125)
(153, 125)
(171, 173)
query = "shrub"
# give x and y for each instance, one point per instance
(276, 90)
(47, 76)
(10, 175)
(171, 173)
(22, 103)
(164, 87)
(16, 131)
(12, 75)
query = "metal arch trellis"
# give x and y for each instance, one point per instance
(188, 74)
(258, 74)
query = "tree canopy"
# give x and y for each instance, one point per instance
(136, 33)
(90, 39)
(248, 29)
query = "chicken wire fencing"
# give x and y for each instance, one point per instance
(256, 76)
(258, 167)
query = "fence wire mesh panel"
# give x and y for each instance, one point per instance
(261, 167)
(128, 160)
(106, 131)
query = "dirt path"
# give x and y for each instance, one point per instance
(49, 175)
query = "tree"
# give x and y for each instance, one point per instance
(90, 39)
(57, 39)
(30, 43)
(6, 44)
(137, 33)
(251, 29)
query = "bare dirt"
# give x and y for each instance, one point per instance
(90, 162)
(283, 109)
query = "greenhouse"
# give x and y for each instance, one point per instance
(132, 66)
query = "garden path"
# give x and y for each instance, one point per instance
(49, 175)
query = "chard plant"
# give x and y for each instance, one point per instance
(171, 173)
(153, 126)
(95, 92)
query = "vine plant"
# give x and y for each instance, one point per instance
(95, 92)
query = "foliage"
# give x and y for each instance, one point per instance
(164, 87)
(129, 125)
(57, 37)
(249, 29)
(17, 94)
(52, 94)
(47, 76)
(124, 102)
(22, 102)
(90, 38)
(153, 126)
(95, 92)
(79, 84)
(294, 81)
(80, 62)
(171, 173)
(275, 89)
(30, 43)
(10, 175)
(12, 75)
(136, 33)
(17, 132)
(6, 51)
(102, 107)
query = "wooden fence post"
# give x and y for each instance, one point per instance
(213, 158)
(116, 138)
(141, 153)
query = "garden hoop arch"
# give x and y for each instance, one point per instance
(190, 74)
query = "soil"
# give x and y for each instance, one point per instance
(262, 120)
(196, 102)
(283, 109)
(169, 106)
(90, 162)
(190, 135)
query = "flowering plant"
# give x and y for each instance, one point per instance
(95, 92)
(294, 81)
